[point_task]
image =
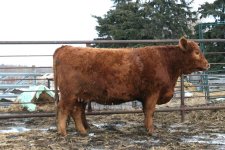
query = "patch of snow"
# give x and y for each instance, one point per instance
(212, 138)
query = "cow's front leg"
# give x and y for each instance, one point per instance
(149, 109)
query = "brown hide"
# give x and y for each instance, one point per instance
(113, 76)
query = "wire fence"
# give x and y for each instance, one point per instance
(209, 86)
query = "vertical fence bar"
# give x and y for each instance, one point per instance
(34, 71)
(206, 86)
(182, 98)
(49, 83)
(89, 107)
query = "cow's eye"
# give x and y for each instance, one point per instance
(197, 53)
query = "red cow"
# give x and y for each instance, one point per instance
(114, 76)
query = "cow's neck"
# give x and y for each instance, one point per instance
(161, 63)
(173, 61)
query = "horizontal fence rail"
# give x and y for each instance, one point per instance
(107, 41)
(25, 67)
(205, 87)
(28, 115)
(25, 55)
(21, 74)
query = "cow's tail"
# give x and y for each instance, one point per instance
(55, 80)
(56, 87)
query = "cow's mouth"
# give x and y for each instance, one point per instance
(201, 69)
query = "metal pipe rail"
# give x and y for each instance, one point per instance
(25, 55)
(107, 41)
(29, 115)
(8, 96)
(13, 86)
(26, 67)
(21, 74)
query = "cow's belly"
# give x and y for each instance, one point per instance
(111, 101)
(108, 96)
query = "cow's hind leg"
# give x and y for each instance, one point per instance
(78, 116)
(84, 120)
(63, 111)
(149, 108)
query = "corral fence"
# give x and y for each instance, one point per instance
(205, 84)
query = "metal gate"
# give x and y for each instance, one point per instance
(14, 77)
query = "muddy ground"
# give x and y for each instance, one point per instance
(201, 130)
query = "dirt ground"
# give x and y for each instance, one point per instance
(201, 130)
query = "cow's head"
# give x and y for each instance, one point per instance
(194, 60)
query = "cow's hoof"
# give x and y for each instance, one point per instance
(87, 127)
(150, 131)
(83, 133)
(62, 133)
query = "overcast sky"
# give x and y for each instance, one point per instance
(50, 19)
(34, 20)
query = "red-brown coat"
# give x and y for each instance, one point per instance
(114, 76)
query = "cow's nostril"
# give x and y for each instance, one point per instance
(208, 66)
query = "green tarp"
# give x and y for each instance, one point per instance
(33, 92)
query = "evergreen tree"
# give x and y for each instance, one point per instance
(168, 19)
(214, 30)
(215, 9)
(147, 19)
(122, 23)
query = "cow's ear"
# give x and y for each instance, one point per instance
(183, 44)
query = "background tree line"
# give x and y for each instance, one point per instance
(163, 19)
